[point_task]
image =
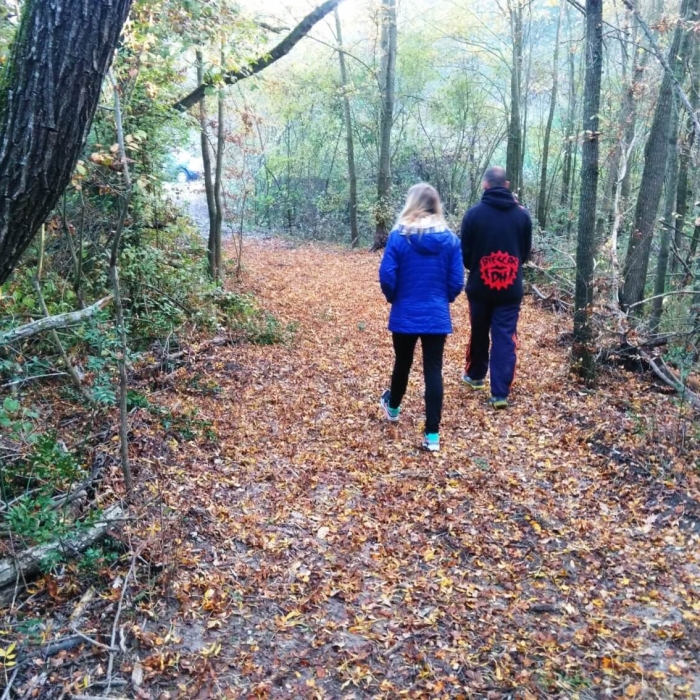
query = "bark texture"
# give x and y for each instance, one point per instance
(582, 346)
(49, 95)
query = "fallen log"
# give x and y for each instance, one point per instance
(667, 376)
(70, 318)
(14, 571)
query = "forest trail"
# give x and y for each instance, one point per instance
(550, 550)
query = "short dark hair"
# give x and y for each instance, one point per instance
(496, 176)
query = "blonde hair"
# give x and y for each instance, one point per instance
(422, 210)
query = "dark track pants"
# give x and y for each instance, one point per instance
(501, 322)
(433, 348)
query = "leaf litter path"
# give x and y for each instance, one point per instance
(550, 550)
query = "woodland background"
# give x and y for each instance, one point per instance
(124, 291)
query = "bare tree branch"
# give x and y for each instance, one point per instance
(270, 27)
(262, 62)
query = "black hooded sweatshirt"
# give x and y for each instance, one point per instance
(496, 242)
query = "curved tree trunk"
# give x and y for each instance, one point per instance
(387, 86)
(49, 95)
(582, 351)
(655, 159)
(208, 173)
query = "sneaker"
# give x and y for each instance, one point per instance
(498, 402)
(473, 383)
(391, 414)
(431, 442)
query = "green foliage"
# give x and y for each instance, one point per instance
(29, 480)
(16, 421)
(36, 521)
(51, 464)
(97, 558)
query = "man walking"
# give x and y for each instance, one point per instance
(496, 242)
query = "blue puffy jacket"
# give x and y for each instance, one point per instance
(421, 274)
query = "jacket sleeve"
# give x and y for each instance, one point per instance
(455, 283)
(527, 238)
(466, 236)
(388, 270)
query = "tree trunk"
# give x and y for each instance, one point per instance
(383, 211)
(218, 181)
(582, 350)
(542, 199)
(352, 175)
(655, 159)
(50, 91)
(118, 307)
(686, 146)
(208, 175)
(514, 144)
(668, 222)
(570, 140)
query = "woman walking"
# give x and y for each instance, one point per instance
(421, 274)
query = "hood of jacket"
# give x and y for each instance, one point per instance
(429, 242)
(499, 198)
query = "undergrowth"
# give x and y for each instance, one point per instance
(168, 297)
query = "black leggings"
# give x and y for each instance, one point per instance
(433, 347)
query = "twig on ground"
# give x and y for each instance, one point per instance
(52, 648)
(6, 694)
(22, 380)
(115, 625)
(92, 641)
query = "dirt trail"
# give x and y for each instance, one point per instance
(550, 550)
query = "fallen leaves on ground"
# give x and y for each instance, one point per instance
(310, 550)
